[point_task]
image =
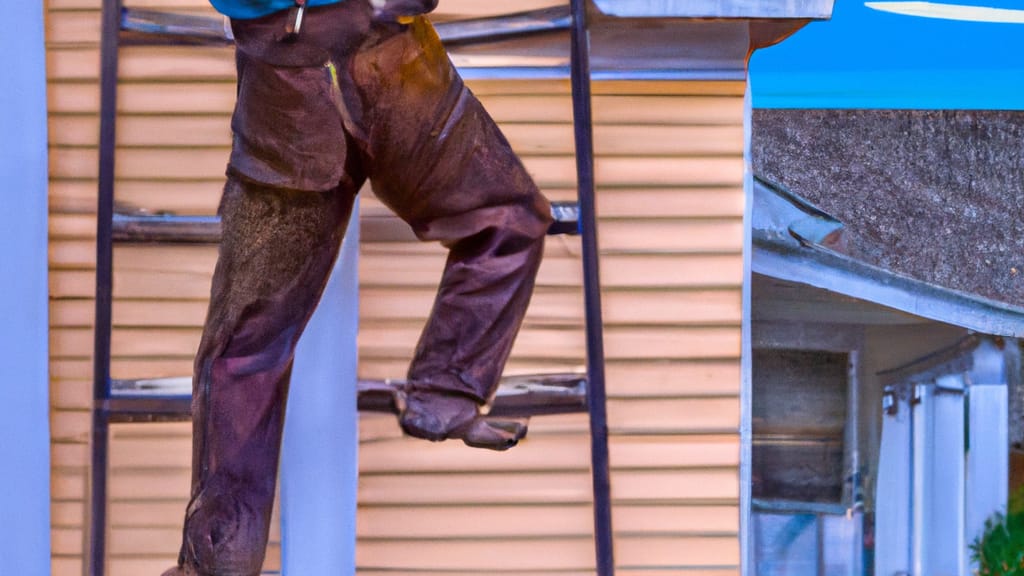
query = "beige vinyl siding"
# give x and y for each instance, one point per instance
(670, 198)
(669, 170)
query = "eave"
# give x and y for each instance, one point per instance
(796, 242)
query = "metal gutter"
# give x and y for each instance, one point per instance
(778, 252)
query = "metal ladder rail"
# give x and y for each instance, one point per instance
(596, 396)
(102, 326)
(109, 408)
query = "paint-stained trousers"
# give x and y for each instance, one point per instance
(350, 99)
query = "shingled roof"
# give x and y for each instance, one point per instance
(934, 195)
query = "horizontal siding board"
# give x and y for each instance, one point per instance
(670, 203)
(530, 138)
(671, 415)
(617, 270)
(66, 541)
(670, 485)
(171, 98)
(68, 484)
(450, 522)
(78, 197)
(670, 343)
(652, 551)
(69, 394)
(152, 452)
(157, 484)
(130, 368)
(131, 313)
(67, 514)
(562, 307)
(70, 426)
(403, 522)
(144, 540)
(477, 556)
(78, 342)
(140, 63)
(700, 377)
(66, 565)
(565, 306)
(537, 554)
(147, 514)
(548, 171)
(680, 236)
(387, 340)
(547, 102)
(144, 131)
(542, 452)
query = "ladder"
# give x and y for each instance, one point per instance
(118, 401)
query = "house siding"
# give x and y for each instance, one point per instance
(670, 199)
(669, 163)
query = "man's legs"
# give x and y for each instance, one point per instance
(279, 246)
(285, 207)
(439, 161)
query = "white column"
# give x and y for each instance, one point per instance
(893, 499)
(24, 378)
(939, 546)
(319, 465)
(988, 457)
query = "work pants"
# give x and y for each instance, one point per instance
(350, 99)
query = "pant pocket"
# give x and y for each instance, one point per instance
(288, 132)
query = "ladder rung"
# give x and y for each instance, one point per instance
(166, 228)
(518, 396)
(147, 408)
(171, 228)
(158, 27)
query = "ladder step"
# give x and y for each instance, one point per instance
(165, 399)
(517, 396)
(155, 27)
(143, 227)
(165, 227)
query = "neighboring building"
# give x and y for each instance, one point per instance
(888, 242)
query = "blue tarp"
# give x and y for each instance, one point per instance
(869, 58)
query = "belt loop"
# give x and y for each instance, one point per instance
(294, 23)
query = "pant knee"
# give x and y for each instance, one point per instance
(225, 534)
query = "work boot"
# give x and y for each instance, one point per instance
(438, 416)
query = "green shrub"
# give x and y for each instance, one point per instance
(999, 551)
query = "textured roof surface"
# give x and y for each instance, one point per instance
(935, 195)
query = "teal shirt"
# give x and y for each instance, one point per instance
(243, 9)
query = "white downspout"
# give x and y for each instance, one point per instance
(319, 461)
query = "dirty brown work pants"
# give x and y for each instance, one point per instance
(350, 99)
